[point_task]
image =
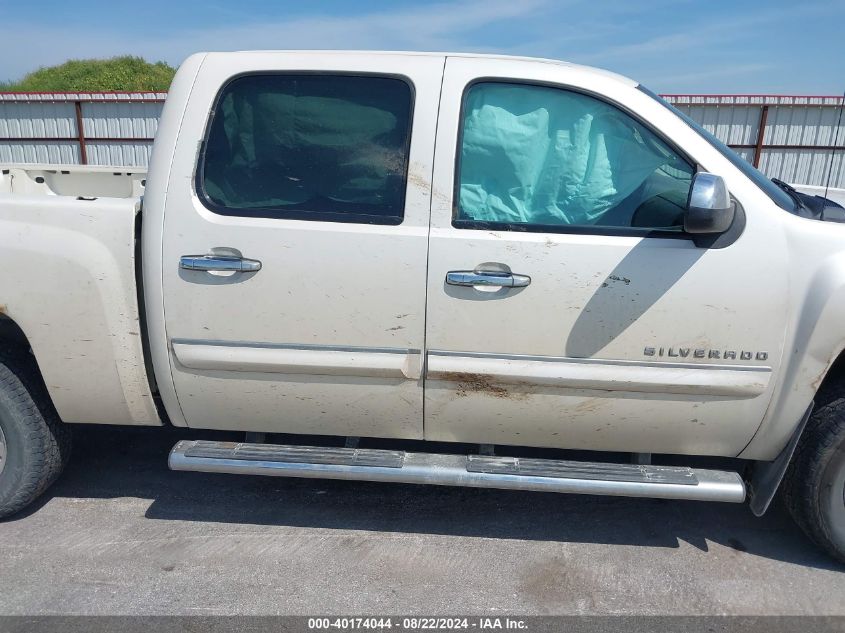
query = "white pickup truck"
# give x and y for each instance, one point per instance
(432, 268)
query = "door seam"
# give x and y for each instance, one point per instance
(424, 351)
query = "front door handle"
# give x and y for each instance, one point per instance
(221, 263)
(483, 278)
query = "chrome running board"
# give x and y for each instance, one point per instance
(479, 471)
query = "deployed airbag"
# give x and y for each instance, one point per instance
(548, 156)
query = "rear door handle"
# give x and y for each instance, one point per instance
(482, 278)
(221, 263)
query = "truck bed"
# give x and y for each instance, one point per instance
(73, 180)
(68, 280)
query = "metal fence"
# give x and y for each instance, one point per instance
(788, 137)
(798, 139)
(112, 128)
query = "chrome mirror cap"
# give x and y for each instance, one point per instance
(710, 208)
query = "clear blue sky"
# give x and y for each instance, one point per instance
(707, 46)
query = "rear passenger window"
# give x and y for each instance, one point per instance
(535, 158)
(312, 147)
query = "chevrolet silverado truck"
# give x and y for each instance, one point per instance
(442, 269)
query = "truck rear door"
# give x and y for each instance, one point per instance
(295, 243)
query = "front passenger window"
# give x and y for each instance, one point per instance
(537, 158)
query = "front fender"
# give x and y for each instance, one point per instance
(814, 342)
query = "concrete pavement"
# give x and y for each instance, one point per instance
(121, 534)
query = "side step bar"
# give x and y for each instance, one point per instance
(479, 471)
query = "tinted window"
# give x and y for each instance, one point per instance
(314, 147)
(537, 158)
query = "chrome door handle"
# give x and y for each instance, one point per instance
(220, 263)
(482, 278)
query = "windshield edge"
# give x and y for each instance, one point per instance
(772, 191)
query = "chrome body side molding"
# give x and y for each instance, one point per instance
(735, 381)
(286, 359)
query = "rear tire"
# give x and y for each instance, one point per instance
(34, 444)
(814, 484)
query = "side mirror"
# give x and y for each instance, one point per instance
(709, 208)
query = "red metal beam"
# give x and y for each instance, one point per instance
(779, 146)
(835, 98)
(110, 139)
(80, 133)
(67, 97)
(73, 139)
(761, 132)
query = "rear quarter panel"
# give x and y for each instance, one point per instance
(67, 278)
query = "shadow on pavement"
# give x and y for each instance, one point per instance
(111, 462)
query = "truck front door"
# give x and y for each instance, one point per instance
(566, 306)
(295, 243)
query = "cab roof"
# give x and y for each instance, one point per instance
(512, 58)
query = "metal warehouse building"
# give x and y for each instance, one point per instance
(787, 137)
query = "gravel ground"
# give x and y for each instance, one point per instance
(121, 534)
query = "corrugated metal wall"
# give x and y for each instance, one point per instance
(787, 137)
(33, 120)
(79, 128)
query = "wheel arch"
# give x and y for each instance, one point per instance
(13, 340)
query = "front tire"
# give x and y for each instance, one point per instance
(814, 484)
(34, 444)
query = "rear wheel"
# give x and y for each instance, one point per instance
(814, 485)
(34, 444)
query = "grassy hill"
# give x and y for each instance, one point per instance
(96, 75)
